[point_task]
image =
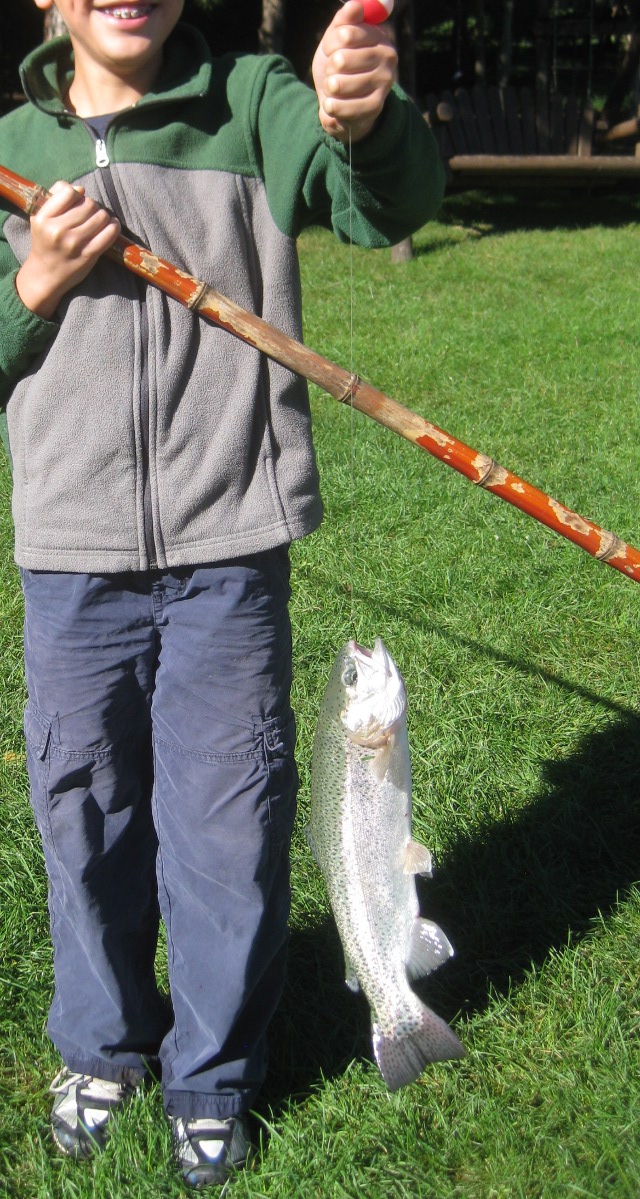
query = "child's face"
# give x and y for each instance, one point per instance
(123, 39)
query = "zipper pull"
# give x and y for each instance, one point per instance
(102, 158)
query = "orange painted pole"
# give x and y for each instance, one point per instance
(349, 388)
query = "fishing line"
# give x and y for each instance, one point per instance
(374, 12)
(352, 429)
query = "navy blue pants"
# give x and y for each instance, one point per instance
(160, 748)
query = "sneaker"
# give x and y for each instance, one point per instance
(209, 1150)
(82, 1109)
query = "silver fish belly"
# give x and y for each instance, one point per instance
(360, 834)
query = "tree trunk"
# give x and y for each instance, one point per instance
(54, 26)
(480, 64)
(623, 82)
(403, 251)
(504, 65)
(271, 32)
(405, 35)
(543, 56)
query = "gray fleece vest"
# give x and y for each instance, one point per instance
(141, 436)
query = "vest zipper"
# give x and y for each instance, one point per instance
(103, 161)
(102, 157)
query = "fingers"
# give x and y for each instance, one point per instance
(354, 69)
(68, 235)
(351, 74)
(347, 32)
(351, 13)
(70, 223)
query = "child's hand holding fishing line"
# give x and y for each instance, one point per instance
(353, 71)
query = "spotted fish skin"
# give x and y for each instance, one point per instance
(360, 834)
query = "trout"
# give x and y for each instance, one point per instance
(360, 835)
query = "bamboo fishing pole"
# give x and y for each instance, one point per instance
(348, 388)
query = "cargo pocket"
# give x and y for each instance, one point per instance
(37, 731)
(279, 739)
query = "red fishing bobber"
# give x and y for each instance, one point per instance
(376, 11)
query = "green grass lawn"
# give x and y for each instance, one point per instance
(514, 328)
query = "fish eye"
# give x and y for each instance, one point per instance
(350, 675)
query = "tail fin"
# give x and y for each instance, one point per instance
(403, 1055)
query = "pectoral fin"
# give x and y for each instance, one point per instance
(417, 859)
(350, 976)
(428, 948)
(311, 843)
(379, 760)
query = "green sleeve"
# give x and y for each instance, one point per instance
(24, 335)
(4, 435)
(396, 180)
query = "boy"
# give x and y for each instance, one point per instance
(161, 470)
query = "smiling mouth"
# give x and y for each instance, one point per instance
(130, 12)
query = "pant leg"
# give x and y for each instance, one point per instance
(90, 653)
(225, 788)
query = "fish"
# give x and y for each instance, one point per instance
(359, 832)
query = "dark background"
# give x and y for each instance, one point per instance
(584, 47)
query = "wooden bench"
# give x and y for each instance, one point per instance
(491, 137)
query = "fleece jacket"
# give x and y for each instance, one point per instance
(142, 437)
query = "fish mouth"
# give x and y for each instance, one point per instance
(379, 649)
(377, 657)
(375, 695)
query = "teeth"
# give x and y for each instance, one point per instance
(129, 14)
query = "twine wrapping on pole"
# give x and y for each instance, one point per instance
(347, 387)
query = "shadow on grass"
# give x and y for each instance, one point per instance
(505, 897)
(494, 214)
(320, 1026)
(509, 895)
